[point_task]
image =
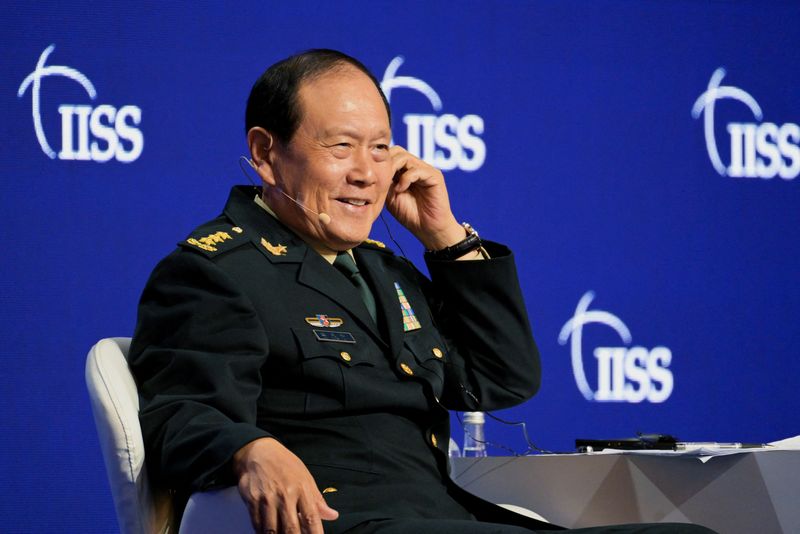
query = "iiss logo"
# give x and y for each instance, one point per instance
(112, 131)
(757, 149)
(443, 140)
(624, 373)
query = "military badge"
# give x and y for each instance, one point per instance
(324, 321)
(410, 321)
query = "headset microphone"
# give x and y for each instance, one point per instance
(323, 217)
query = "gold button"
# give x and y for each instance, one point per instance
(330, 489)
(433, 440)
(237, 229)
(406, 369)
(345, 356)
(437, 352)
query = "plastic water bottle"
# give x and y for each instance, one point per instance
(453, 450)
(474, 440)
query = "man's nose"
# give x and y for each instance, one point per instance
(364, 170)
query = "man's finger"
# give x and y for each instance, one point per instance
(308, 516)
(288, 517)
(310, 524)
(326, 513)
(255, 515)
(404, 181)
(400, 159)
(269, 517)
(253, 505)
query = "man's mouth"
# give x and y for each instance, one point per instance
(354, 201)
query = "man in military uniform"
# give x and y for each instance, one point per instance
(280, 350)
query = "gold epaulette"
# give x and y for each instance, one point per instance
(212, 240)
(376, 245)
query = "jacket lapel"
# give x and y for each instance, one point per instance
(323, 277)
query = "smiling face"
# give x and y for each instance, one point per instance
(337, 162)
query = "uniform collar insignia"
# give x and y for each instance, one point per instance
(275, 250)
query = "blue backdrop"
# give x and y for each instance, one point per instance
(640, 158)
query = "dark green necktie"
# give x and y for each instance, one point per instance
(347, 266)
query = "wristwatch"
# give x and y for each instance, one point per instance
(470, 243)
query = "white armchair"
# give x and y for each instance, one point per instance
(141, 508)
(115, 404)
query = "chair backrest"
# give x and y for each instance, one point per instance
(115, 404)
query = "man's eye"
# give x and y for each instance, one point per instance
(340, 150)
(380, 152)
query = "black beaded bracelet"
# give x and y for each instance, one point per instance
(468, 244)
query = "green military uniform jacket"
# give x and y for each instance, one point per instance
(246, 332)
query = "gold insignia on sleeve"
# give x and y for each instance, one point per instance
(374, 242)
(275, 250)
(208, 242)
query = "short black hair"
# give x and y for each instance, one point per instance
(273, 103)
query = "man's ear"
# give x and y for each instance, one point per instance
(261, 145)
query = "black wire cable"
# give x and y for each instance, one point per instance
(532, 447)
(389, 231)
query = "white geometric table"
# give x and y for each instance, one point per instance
(740, 493)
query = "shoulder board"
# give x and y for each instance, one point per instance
(214, 239)
(374, 244)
